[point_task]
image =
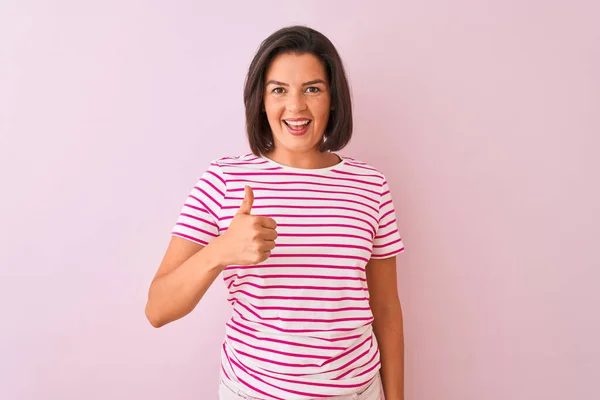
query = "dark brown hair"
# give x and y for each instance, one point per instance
(298, 40)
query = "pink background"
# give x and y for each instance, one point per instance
(483, 115)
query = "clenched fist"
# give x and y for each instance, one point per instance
(249, 238)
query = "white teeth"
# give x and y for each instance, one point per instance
(297, 123)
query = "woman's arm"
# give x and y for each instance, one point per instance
(183, 277)
(387, 324)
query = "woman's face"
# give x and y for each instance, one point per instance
(297, 101)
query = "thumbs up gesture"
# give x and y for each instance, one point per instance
(249, 238)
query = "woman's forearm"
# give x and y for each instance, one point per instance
(389, 331)
(176, 294)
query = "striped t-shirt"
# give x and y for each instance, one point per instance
(301, 321)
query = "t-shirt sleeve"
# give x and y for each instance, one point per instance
(199, 217)
(387, 242)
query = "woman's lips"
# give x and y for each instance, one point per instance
(297, 130)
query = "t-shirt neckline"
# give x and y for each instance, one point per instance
(308, 170)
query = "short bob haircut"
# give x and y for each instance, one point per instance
(297, 40)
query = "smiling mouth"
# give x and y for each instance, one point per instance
(297, 125)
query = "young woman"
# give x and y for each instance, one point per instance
(305, 239)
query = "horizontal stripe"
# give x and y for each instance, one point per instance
(317, 245)
(325, 226)
(311, 309)
(312, 337)
(295, 298)
(391, 253)
(387, 234)
(303, 190)
(333, 235)
(290, 265)
(320, 255)
(307, 183)
(337, 171)
(378, 246)
(358, 165)
(293, 276)
(315, 320)
(238, 163)
(307, 216)
(293, 287)
(297, 207)
(296, 174)
(276, 203)
(277, 328)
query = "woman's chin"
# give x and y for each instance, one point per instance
(296, 143)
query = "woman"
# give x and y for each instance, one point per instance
(306, 241)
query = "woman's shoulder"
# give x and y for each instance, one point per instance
(238, 163)
(232, 159)
(360, 167)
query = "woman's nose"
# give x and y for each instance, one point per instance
(296, 102)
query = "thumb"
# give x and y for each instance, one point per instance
(246, 207)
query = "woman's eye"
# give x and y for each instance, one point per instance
(313, 89)
(277, 90)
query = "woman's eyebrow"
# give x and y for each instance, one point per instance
(313, 82)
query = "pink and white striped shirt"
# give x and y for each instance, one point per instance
(301, 321)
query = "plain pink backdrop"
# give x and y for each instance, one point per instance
(483, 115)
